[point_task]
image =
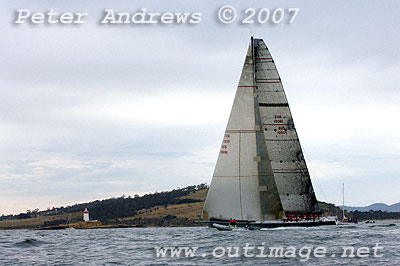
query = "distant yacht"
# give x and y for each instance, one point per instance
(261, 178)
(344, 218)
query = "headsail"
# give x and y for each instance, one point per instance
(260, 171)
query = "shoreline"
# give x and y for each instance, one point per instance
(112, 226)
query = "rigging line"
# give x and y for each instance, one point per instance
(316, 176)
(323, 194)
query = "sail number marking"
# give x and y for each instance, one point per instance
(281, 129)
(224, 146)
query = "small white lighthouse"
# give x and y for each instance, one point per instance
(86, 215)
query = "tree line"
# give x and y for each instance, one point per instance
(123, 206)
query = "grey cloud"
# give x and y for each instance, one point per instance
(55, 82)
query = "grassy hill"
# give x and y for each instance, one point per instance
(179, 207)
(172, 215)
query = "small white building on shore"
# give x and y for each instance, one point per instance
(86, 215)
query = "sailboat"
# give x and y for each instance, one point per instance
(261, 177)
(347, 219)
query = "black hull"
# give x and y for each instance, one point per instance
(294, 224)
(273, 224)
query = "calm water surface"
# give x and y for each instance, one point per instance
(137, 246)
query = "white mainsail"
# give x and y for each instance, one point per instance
(236, 189)
(260, 171)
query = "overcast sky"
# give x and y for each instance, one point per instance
(94, 111)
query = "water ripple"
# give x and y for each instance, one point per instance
(137, 246)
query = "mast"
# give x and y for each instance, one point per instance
(344, 217)
(253, 57)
